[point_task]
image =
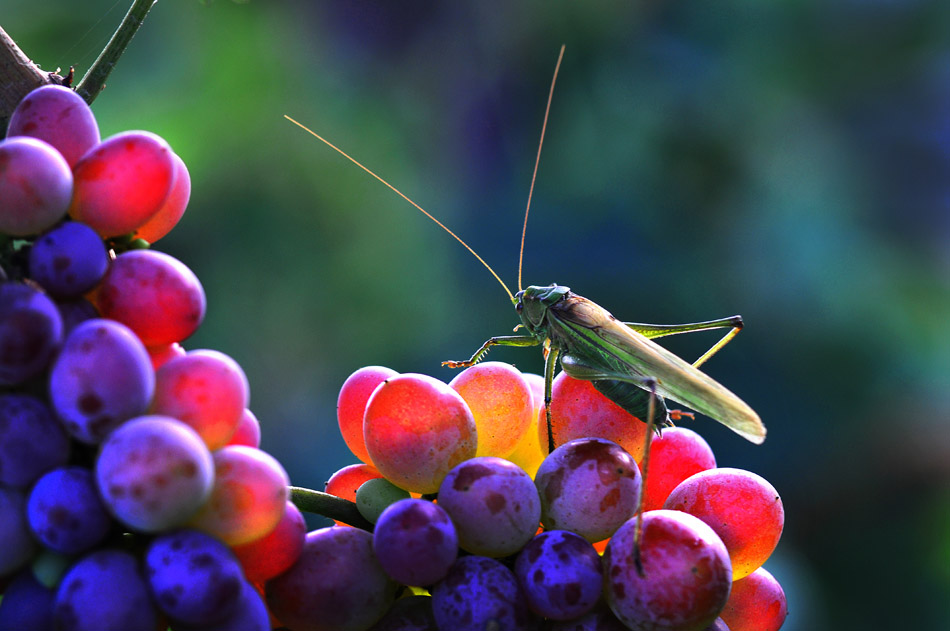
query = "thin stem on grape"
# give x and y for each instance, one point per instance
(95, 78)
(331, 506)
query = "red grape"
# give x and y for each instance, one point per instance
(35, 186)
(501, 402)
(272, 554)
(741, 507)
(173, 207)
(345, 482)
(351, 406)
(248, 431)
(59, 116)
(757, 603)
(675, 455)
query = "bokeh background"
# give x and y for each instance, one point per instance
(786, 160)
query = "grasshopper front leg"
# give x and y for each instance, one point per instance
(504, 340)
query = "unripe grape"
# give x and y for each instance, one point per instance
(741, 507)
(494, 505)
(501, 403)
(248, 431)
(373, 496)
(685, 577)
(351, 406)
(528, 453)
(345, 482)
(589, 486)
(757, 603)
(416, 428)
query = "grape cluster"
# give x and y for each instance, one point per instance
(519, 539)
(133, 494)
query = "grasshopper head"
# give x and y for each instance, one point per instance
(532, 304)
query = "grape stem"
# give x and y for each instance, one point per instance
(331, 506)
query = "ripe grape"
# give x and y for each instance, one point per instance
(600, 618)
(153, 294)
(345, 482)
(412, 613)
(560, 574)
(685, 578)
(74, 312)
(272, 554)
(194, 577)
(589, 486)
(249, 496)
(32, 441)
(675, 455)
(248, 431)
(375, 495)
(59, 116)
(757, 603)
(415, 542)
(122, 182)
(336, 585)
(480, 593)
(104, 591)
(205, 389)
(494, 505)
(27, 604)
(249, 613)
(16, 543)
(65, 511)
(69, 260)
(741, 507)
(416, 428)
(101, 378)
(154, 472)
(578, 410)
(35, 186)
(31, 331)
(501, 403)
(351, 406)
(172, 208)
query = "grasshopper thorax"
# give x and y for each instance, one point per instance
(533, 302)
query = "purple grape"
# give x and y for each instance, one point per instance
(493, 503)
(36, 186)
(195, 578)
(560, 574)
(16, 543)
(31, 330)
(102, 377)
(589, 486)
(480, 593)
(415, 542)
(600, 618)
(75, 312)
(336, 585)
(27, 604)
(154, 473)
(65, 511)
(59, 116)
(32, 441)
(104, 591)
(412, 613)
(248, 614)
(69, 260)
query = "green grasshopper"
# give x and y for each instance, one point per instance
(619, 358)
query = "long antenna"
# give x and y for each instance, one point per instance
(537, 160)
(398, 192)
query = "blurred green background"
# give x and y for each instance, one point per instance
(786, 160)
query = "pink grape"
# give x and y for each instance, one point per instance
(164, 353)
(578, 410)
(272, 554)
(248, 431)
(480, 593)
(59, 116)
(336, 585)
(205, 389)
(416, 428)
(415, 542)
(493, 503)
(101, 378)
(249, 496)
(162, 222)
(675, 455)
(757, 603)
(589, 486)
(35, 186)
(345, 482)
(122, 182)
(501, 402)
(741, 507)
(351, 406)
(153, 294)
(154, 473)
(685, 579)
